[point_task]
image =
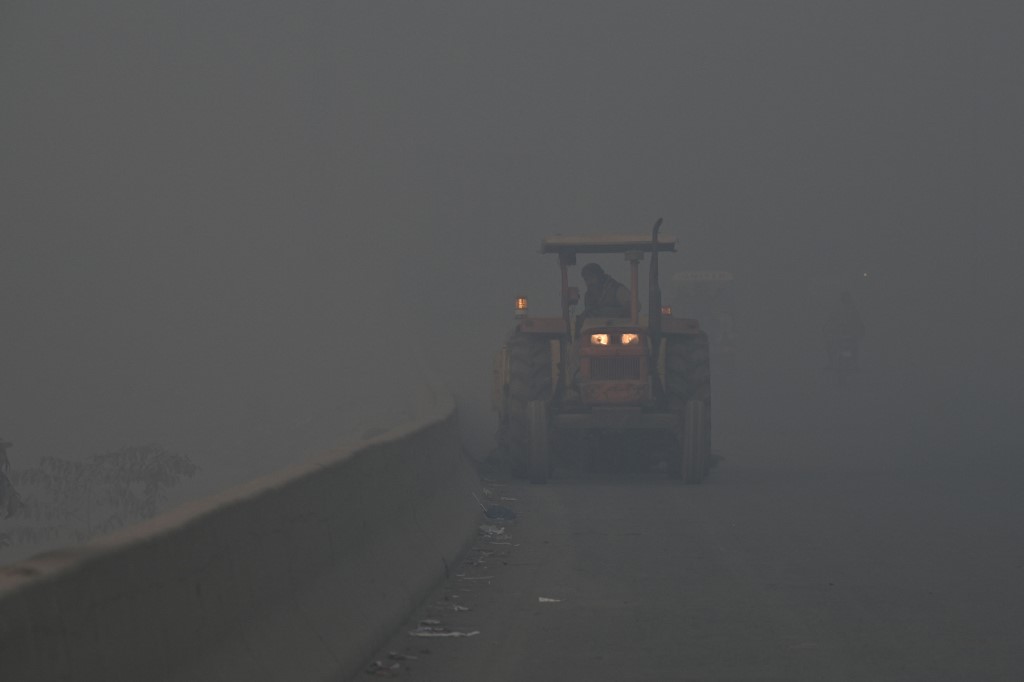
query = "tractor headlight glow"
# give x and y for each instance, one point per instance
(521, 306)
(599, 339)
(630, 339)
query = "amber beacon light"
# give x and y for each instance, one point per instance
(521, 306)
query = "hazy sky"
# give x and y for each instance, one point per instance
(221, 218)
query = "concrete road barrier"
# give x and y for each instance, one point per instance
(296, 576)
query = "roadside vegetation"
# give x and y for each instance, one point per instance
(60, 502)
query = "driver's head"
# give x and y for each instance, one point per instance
(592, 274)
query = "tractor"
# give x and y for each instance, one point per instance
(641, 380)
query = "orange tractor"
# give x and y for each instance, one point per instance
(643, 381)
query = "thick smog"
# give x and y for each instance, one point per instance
(725, 297)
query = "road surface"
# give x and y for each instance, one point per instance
(839, 552)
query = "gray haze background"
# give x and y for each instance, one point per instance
(231, 228)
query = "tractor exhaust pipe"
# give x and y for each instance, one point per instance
(654, 288)
(654, 315)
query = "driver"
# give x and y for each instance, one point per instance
(605, 296)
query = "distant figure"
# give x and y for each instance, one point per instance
(5, 464)
(605, 296)
(10, 501)
(844, 329)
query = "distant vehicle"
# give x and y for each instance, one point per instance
(645, 376)
(707, 296)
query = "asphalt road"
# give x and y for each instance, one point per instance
(864, 548)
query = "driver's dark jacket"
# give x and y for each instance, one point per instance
(609, 298)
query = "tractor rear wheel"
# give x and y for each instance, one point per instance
(688, 382)
(540, 445)
(694, 455)
(529, 379)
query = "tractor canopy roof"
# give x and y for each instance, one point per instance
(606, 244)
(701, 276)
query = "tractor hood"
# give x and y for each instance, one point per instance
(669, 325)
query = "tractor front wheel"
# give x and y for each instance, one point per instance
(688, 385)
(695, 457)
(529, 380)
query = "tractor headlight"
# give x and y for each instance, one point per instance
(599, 339)
(630, 339)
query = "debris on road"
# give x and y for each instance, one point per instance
(395, 656)
(381, 669)
(425, 630)
(492, 531)
(496, 511)
(447, 605)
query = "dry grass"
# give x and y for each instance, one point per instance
(64, 502)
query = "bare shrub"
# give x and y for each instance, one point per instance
(67, 501)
